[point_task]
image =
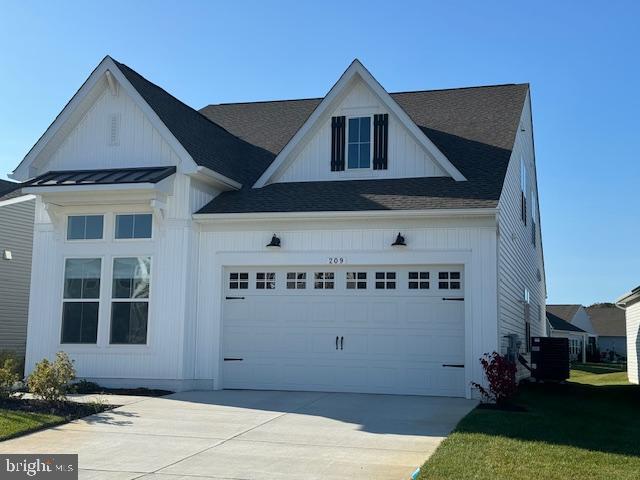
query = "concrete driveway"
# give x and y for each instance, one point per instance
(255, 435)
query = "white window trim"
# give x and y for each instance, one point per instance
(346, 147)
(64, 345)
(127, 240)
(85, 240)
(110, 301)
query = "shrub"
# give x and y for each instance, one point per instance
(84, 386)
(9, 376)
(49, 380)
(501, 377)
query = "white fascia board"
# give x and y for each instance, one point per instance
(628, 298)
(214, 178)
(98, 75)
(371, 214)
(20, 199)
(355, 69)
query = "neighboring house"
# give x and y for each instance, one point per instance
(16, 241)
(359, 242)
(609, 323)
(630, 303)
(558, 327)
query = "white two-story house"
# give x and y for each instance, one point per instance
(361, 242)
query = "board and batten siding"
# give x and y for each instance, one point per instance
(407, 158)
(365, 242)
(633, 341)
(518, 260)
(16, 236)
(171, 322)
(89, 145)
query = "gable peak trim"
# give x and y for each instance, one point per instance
(355, 70)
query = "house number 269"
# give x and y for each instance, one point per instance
(336, 260)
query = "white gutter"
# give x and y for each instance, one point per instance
(627, 298)
(434, 213)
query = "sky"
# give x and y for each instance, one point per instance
(580, 57)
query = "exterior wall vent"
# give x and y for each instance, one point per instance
(113, 139)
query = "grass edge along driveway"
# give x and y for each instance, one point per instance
(14, 423)
(588, 428)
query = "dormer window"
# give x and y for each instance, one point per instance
(359, 142)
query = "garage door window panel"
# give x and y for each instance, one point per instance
(324, 280)
(265, 280)
(419, 281)
(296, 280)
(449, 281)
(356, 280)
(238, 280)
(385, 280)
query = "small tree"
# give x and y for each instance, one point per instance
(49, 380)
(501, 377)
(9, 376)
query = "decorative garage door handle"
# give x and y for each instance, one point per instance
(341, 343)
(336, 342)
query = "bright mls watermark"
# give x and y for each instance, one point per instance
(40, 466)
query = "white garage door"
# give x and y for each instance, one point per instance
(349, 329)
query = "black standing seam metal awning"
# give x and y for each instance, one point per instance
(101, 177)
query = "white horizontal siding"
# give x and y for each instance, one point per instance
(87, 145)
(16, 236)
(633, 341)
(518, 260)
(407, 158)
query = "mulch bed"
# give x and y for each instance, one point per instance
(68, 410)
(140, 392)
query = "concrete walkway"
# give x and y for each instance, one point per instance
(252, 435)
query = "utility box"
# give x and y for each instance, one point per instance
(550, 358)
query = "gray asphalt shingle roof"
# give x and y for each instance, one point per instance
(474, 127)
(209, 144)
(564, 311)
(9, 190)
(608, 320)
(558, 323)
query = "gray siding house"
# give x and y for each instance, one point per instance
(16, 243)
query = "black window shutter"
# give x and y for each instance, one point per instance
(338, 137)
(380, 141)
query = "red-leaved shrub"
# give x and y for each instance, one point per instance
(501, 376)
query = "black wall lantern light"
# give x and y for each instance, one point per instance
(275, 242)
(399, 241)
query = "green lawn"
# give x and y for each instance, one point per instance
(588, 428)
(14, 423)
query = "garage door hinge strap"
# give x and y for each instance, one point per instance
(233, 359)
(234, 298)
(455, 365)
(454, 299)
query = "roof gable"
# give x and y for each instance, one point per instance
(356, 71)
(558, 323)
(474, 127)
(565, 312)
(196, 140)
